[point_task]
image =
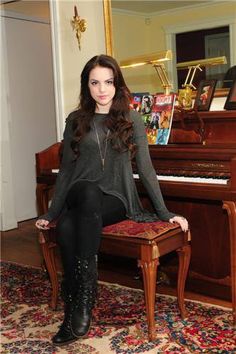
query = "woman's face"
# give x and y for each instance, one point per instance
(102, 89)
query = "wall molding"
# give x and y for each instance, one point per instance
(57, 68)
(176, 10)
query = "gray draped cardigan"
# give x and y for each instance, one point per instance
(117, 177)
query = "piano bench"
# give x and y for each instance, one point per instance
(144, 241)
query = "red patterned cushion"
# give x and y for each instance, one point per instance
(146, 230)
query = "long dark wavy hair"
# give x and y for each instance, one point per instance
(121, 128)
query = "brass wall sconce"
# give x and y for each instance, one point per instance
(156, 60)
(185, 94)
(79, 25)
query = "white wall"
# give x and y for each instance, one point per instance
(68, 59)
(29, 114)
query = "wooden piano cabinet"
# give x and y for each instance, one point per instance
(210, 239)
(230, 206)
(203, 144)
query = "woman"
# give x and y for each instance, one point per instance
(95, 185)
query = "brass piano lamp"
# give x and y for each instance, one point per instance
(157, 61)
(185, 94)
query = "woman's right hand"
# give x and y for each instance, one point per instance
(42, 224)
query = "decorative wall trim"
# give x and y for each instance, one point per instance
(108, 26)
(57, 68)
(170, 11)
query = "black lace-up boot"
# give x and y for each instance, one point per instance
(86, 279)
(64, 335)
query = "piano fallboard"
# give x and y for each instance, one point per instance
(213, 127)
(195, 160)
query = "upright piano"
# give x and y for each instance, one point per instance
(197, 174)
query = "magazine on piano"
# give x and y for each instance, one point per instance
(146, 108)
(136, 101)
(159, 127)
(142, 102)
(157, 113)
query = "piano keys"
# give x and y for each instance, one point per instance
(187, 179)
(178, 178)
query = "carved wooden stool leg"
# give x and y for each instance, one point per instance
(49, 257)
(184, 254)
(149, 271)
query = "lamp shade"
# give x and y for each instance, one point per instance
(153, 58)
(202, 62)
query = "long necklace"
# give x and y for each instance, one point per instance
(102, 156)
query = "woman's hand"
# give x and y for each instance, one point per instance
(42, 224)
(181, 221)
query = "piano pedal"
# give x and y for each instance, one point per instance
(162, 277)
(137, 276)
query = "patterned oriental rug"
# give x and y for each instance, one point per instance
(119, 324)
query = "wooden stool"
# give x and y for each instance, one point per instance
(144, 241)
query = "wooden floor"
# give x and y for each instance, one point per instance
(21, 246)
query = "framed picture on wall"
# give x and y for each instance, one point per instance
(204, 96)
(230, 102)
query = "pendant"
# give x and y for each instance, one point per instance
(99, 146)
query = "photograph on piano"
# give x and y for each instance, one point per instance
(230, 103)
(204, 96)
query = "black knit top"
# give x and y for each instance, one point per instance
(117, 176)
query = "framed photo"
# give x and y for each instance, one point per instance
(230, 102)
(204, 96)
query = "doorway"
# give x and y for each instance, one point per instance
(29, 121)
(201, 44)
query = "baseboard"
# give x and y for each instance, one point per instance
(8, 224)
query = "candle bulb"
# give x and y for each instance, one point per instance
(75, 10)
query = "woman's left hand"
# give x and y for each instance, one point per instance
(181, 221)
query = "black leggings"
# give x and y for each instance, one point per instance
(79, 229)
